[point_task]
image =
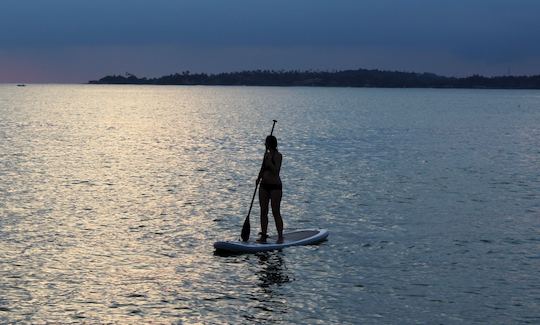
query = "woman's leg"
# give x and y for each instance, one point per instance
(276, 202)
(264, 198)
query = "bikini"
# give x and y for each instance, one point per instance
(271, 187)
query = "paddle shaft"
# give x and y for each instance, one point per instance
(245, 232)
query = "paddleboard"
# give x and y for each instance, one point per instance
(293, 238)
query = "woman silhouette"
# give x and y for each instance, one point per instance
(270, 190)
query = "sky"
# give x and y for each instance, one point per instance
(68, 41)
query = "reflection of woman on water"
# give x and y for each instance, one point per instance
(272, 271)
(270, 190)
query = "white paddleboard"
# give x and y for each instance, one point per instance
(293, 238)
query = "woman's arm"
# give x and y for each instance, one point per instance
(263, 168)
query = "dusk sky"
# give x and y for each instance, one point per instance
(76, 41)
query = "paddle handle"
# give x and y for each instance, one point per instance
(273, 125)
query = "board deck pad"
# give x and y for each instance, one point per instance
(293, 238)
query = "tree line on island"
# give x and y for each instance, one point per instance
(345, 78)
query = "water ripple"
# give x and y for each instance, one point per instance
(113, 195)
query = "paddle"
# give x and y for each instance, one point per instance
(246, 228)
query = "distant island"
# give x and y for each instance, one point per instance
(345, 78)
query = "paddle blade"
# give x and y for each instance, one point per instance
(246, 229)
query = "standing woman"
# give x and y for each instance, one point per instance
(270, 190)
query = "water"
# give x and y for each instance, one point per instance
(111, 198)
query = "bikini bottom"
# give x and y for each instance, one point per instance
(271, 187)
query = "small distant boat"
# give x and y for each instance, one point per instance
(21, 85)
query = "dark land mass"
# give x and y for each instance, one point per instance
(346, 78)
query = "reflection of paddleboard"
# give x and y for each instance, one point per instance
(293, 238)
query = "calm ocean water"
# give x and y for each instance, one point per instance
(111, 198)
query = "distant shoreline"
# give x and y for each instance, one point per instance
(360, 78)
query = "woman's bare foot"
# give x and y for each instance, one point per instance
(262, 239)
(280, 240)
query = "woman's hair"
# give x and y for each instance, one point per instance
(271, 142)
